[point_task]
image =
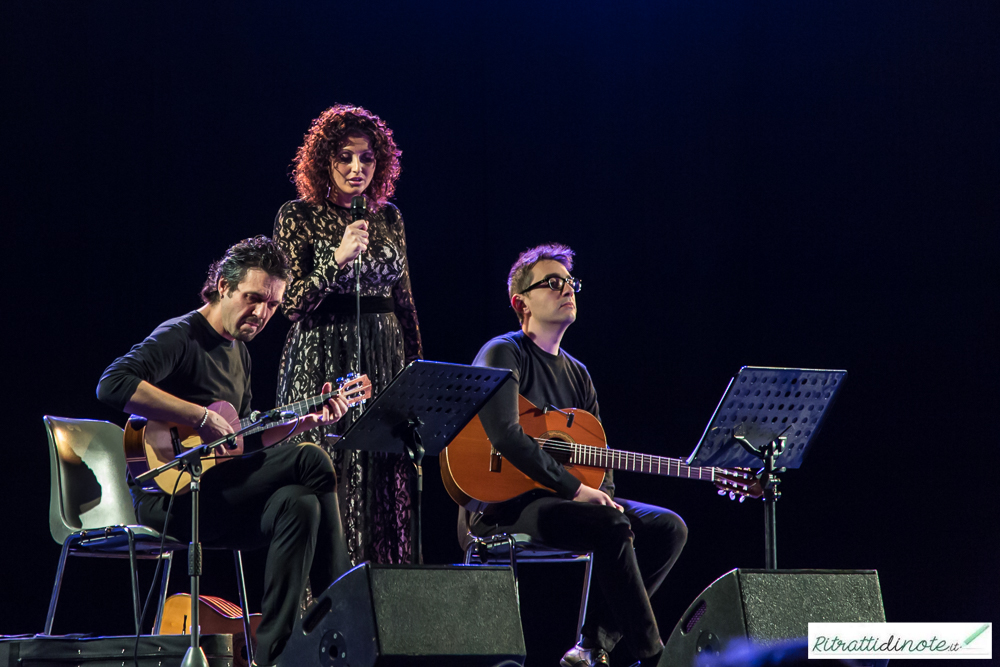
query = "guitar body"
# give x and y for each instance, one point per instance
(476, 476)
(215, 616)
(149, 444)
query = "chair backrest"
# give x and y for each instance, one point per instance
(88, 487)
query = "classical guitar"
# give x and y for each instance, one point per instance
(150, 443)
(216, 616)
(476, 476)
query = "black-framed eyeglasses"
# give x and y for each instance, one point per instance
(556, 284)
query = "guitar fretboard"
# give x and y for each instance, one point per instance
(303, 407)
(600, 457)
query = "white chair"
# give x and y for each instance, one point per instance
(91, 513)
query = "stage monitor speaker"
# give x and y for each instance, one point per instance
(380, 616)
(766, 606)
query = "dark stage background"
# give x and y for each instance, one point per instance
(766, 183)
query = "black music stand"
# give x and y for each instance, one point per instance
(767, 415)
(420, 412)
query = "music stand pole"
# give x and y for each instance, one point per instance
(415, 451)
(195, 655)
(770, 517)
(190, 462)
(769, 482)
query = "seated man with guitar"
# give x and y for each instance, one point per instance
(284, 498)
(562, 512)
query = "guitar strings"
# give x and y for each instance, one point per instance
(561, 446)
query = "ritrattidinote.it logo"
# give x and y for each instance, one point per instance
(901, 640)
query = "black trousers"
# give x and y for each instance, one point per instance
(633, 552)
(283, 499)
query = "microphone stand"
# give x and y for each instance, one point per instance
(357, 302)
(190, 462)
(359, 209)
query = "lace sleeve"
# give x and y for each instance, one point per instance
(406, 311)
(308, 282)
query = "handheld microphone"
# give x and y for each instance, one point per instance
(359, 207)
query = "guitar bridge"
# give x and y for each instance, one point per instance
(495, 460)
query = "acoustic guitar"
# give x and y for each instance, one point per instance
(216, 616)
(150, 443)
(476, 476)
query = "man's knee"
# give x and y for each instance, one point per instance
(611, 525)
(679, 530)
(315, 465)
(297, 508)
(669, 530)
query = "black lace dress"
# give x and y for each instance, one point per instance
(373, 489)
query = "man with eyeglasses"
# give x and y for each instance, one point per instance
(571, 515)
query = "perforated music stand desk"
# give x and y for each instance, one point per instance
(420, 412)
(769, 416)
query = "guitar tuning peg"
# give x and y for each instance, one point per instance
(732, 495)
(742, 498)
(722, 492)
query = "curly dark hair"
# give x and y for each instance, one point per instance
(327, 135)
(520, 273)
(258, 252)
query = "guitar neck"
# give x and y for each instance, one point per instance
(303, 407)
(616, 459)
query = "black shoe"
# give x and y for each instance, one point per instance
(585, 657)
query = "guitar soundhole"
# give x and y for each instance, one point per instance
(564, 458)
(558, 445)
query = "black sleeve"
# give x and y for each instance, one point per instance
(151, 360)
(499, 418)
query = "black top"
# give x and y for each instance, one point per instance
(544, 379)
(184, 357)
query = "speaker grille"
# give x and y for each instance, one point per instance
(695, 617)
(780, 604)
(421, 609)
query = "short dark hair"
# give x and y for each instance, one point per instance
(258, 252)
(520, 273)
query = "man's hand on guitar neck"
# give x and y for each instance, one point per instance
(333, 410)
(585, 494)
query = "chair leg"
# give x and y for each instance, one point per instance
(241, 584)
(512, 544)
(136, 605)
(584, 598)
(164, 583)
(60, 569)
